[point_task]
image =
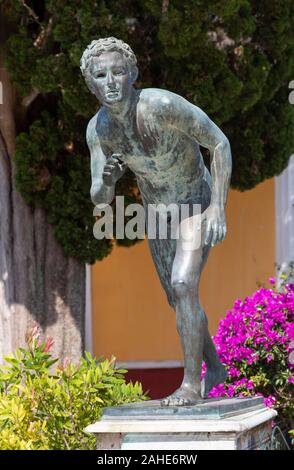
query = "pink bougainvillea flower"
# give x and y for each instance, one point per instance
(269, 401)
(269, 358)
(255, 342)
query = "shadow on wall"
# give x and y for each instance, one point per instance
(37, 281)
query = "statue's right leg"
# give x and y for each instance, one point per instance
(163, 254)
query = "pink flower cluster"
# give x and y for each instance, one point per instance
(255, 340)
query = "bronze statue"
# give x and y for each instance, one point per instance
(157, 133)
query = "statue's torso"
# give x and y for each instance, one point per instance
(167, 163)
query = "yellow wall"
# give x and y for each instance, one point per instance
(131, 317)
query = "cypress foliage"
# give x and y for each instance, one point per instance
(232, 58)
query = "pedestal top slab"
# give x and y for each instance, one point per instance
(238, 423)
(213, 408)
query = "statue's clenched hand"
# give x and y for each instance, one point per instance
(114, 168)
(215, 225)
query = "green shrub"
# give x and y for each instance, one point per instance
(44, 405)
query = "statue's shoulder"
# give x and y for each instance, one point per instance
(162, 102)
(157, 97)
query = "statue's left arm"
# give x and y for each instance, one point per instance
(197, 125)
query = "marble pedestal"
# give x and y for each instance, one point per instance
(211, 424)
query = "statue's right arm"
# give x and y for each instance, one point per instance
(100, 193)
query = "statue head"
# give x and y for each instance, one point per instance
(109, 68)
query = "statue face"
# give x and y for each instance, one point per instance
(111, 77)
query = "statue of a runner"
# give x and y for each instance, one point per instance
(157, 134)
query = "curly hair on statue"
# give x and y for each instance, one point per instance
(98, 47)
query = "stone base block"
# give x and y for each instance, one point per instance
(226, 424)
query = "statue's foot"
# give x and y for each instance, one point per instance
(212, 378)
(183, 396)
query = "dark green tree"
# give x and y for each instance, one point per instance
(234, 59)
